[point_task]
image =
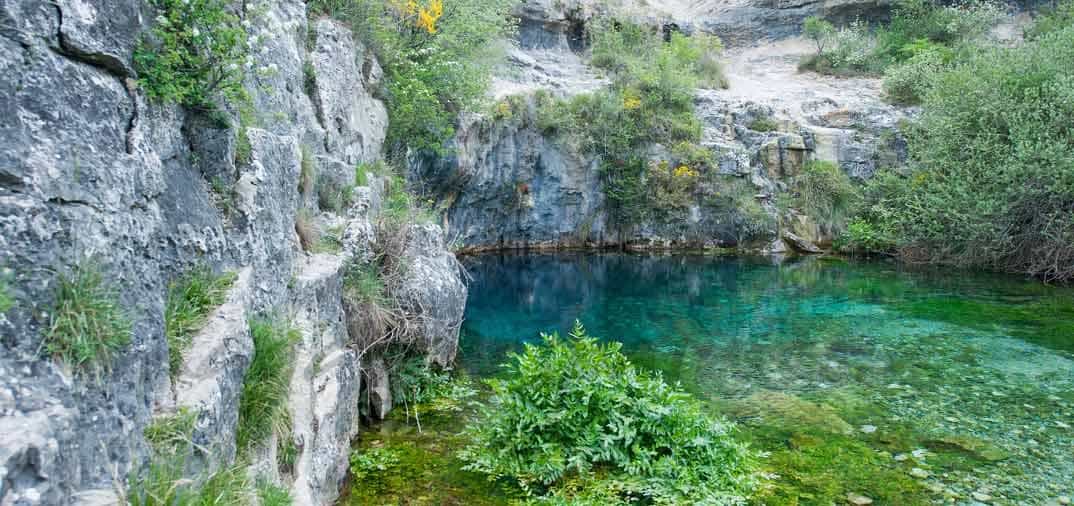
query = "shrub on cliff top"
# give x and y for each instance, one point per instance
(826, 193)
(195, 50)
(437, 58)
(576, 413)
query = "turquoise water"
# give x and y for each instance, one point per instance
(935, 385)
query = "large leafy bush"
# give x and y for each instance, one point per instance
(996, 149)
(860, 49)
(575, 415)
(993, 158)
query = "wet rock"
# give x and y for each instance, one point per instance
(1064, 500)
(799, 244)
(982, 497)
(784, 409)
(974, 446)
(858, 499)
(379, 387)
(919, 473)
(433, 291)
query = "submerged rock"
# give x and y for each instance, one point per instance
(786, 410)
(974, 446)
(858, 499)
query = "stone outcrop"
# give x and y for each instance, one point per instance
(92, 169)
(507, 184)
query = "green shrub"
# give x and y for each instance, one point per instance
(432, 71)
(6, 300)
(858, 49)
(764, 124)
(362, 284)
(649, 101)
(994, 187)
(864, 237)
(191, 298)
(1056, 18)
(907, 83)
(576, 409)
(263, 405)
(819, 30)
(87, 325)
(271, 494)
(825, 193)
(195, 51)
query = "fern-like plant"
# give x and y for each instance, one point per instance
(575, 411)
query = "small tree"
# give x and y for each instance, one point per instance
(818, 30)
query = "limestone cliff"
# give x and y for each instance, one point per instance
(508, 184)
(90, 168)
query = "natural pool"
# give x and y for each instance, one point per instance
(860, 378)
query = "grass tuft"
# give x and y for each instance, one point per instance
(6, 300)
(263, 407)
(308, 180)
(88, 326)
(170, 434)
(165, 484)
(190, 300)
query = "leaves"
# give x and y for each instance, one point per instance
(573, 409)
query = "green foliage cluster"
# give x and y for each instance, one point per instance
(362, 284)
(995, 187)
(422, 388)
(87, 325)
(737, 197)
(825, 193)
(165, 484)
(992, 180)
(922, 34)
(195, 52)
(1056, 18)
(765, 124)
(650, 101)
(576, 413)
(430, 74)
(263, 405)
(171, 434)
(6, 300)
(191, 298)
(366, 463)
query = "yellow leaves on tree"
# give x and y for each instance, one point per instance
(422, 17)
(427, 17)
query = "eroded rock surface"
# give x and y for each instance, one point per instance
(91, 169)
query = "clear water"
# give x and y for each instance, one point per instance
(905, 386)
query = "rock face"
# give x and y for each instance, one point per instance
(508, 185)
(91, 169)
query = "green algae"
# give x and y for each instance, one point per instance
(426, 470)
